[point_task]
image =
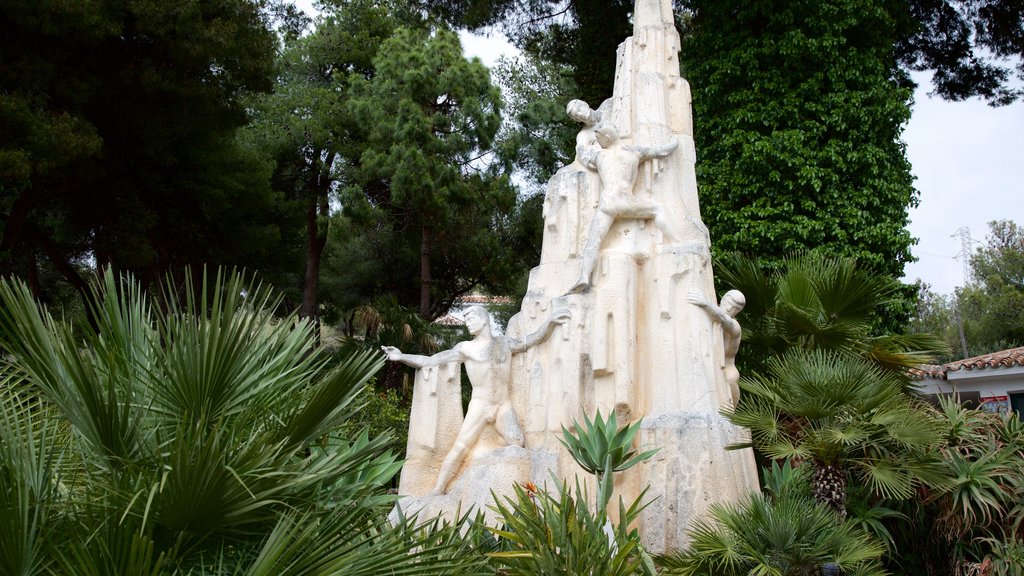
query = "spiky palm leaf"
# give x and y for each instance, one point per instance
(840, 409)
(556, 534)
(202, 434)
(818, 302)
(31, 447)
(782, 535)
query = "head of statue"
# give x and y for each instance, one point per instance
(733, 302)
(477, 318)
(606, 134)
(579, 111)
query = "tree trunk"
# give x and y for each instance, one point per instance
(316, 239)
(829, 487)
(425, 273)
(315, 243)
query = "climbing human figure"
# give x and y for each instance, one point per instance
(617, 166)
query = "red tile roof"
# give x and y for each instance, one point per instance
(480, 299)
(470, 299)
(449, 320)
(1001, 359)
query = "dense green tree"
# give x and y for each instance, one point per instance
(974, 48)
(994, 300)
(118, 123)
(307, 127)
(798, 118)
(538, 137)
(431, 117)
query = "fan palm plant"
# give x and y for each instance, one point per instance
(779, 533)
(843, 414)
(814, 302)
(199, 439)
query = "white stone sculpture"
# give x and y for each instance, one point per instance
(487, 358)
(618, 167)
(725, 313)
(579, 111)
(622, 226)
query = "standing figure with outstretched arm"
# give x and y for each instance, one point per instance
(618, 166)
(488, 361)
(724, 314)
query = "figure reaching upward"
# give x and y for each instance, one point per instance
(618, 166)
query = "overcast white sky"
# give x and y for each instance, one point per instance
(967, 158)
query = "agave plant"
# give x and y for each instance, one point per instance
(557, 535)
(602, 449)
(196, 439)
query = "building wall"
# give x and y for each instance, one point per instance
(992, 386)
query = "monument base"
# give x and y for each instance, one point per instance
(691, 471)
(490, 475)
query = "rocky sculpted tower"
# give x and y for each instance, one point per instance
(634, 343)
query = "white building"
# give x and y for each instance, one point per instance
(996, 380)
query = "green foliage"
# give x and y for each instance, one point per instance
(838, 409)
(799, 111)
(538, 135)
(198, 439)
(816, 302)
(556, 534)
(306, 126)
(602, 449)
(993, 303)
(119, 120)
(430, 117)
(972, 522)
(782, 532)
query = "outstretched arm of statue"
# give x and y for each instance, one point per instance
(559, 316)
(418, 361)
(649, 152)
(729, 324)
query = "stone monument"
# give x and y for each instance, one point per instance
(620, 316)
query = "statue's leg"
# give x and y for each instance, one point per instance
(508, 426)
(472, 425)
(599, 226)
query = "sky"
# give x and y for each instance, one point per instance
(967, 157)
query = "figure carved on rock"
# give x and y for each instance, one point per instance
(617, 166)
(581, 112)
(487, 358)
(724, 314)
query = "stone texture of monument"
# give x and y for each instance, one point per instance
(634, 343)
